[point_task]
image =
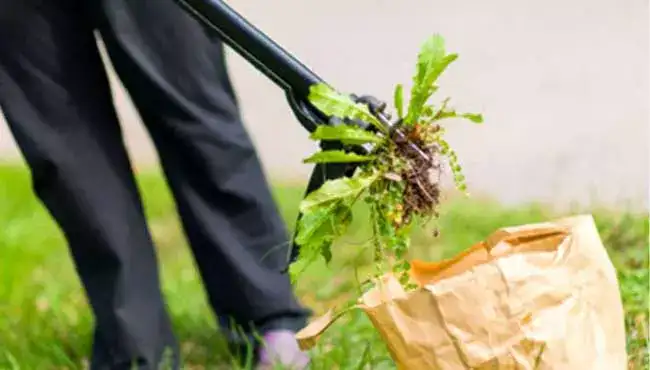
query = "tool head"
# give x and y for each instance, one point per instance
(378, 109)
(323, 172)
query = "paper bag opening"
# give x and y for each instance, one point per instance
(503, 242)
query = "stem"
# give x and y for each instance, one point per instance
(375, 232)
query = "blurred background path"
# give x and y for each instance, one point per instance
(563, 86)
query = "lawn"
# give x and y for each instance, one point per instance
(45, 322)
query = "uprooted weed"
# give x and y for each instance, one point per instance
(399, 178)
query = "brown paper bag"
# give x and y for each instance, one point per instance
(539, 296)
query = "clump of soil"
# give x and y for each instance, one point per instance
(420, 171)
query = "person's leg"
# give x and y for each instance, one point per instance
(56, 98)
(176, 74)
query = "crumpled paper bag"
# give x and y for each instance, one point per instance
(538, 296)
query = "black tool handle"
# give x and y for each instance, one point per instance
(278, 65)
(255, 46)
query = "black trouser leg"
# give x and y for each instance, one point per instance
(176, 75)
(56, 98)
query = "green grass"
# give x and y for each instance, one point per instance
(45, 322)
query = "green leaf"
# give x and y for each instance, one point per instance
(427, 111)
(347, 134)
(333, 103)
(337, 156)
(399, 100)
(312, 222)
(474, 117)
(432, 61)
(326, 251)
(318, 228)
(326, 213)
(346, 188)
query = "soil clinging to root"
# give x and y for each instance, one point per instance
(420, 172)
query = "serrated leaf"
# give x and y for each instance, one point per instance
(347, 134)
(474, 117)
(432, 51)
(345, 188)
(312, 221)
(432, 61)
(337, 156)
(318, 228)
(333, 103)
(399, 100)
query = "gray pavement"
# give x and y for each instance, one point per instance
(563, 86)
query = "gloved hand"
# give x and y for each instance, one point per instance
(375, 105)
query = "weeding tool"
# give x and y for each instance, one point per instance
(293, 77)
